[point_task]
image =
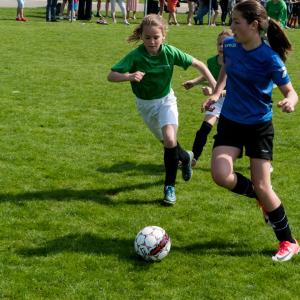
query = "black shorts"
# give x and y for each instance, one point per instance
(257, 139)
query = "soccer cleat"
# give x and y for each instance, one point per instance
(194, 163)
(170, 197)
(286, 251)
(186, 168)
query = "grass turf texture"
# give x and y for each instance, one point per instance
(81, 175)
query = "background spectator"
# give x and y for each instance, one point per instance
(20, 11)
(51, 10)
(85, 10)
(131, 5)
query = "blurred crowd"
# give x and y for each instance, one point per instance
(287, 13)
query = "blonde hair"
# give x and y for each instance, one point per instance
(149, 20)
(226, 32)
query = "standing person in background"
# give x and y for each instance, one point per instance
(20, 11)
(98, 13)
(204, 10)
(149, 69)
(122, 6)
(190, 13)
(85, 10)
(172, 12)
(62, 8)
(72, 10)
(214, 65)
(51, 11)
(224, 8)
(249, 71)
(277, 10)
(131, 5)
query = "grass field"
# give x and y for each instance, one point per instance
(81, 175)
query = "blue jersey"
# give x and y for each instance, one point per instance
(250, 78)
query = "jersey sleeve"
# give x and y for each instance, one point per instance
(181, 58)
(279, 71)
(125, 64)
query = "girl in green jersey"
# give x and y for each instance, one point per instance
(149, 69)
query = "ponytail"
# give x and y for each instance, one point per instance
(278, 39)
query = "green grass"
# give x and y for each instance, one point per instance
(81, 175)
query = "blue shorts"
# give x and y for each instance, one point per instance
(75, 6)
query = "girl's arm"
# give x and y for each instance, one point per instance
(290, 98)
(191, 83)
(218, 91)
(202, 68)
(119, 77)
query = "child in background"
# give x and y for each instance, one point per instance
(149, 68)
(214, 65)
(20, 11)
(74, 11)
(172, 12)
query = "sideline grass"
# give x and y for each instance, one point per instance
(81, 175)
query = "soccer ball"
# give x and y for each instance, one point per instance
(152, 243)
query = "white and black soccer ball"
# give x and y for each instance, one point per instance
(152, 243)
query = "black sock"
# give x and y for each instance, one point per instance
(171, 165)
(201, 138)
(182, 154)
(244, 186)
(280, 224)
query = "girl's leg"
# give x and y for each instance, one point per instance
(98, 8)
(122, 6)
(222, 171)
(191, 12)
(171, 159)
(113, 10)
(201, 135)
(106, 7)
(260, 174)
(214, 18)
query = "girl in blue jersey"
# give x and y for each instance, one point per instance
(149, 69)
(249, 71)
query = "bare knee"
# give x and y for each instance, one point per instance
(223, 179)
(170, 143)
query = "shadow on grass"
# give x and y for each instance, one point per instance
(87, 243)
(101, 196)
(221, 247)
(131, 167)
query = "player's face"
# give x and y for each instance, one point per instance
(242, 31)
(152, 37)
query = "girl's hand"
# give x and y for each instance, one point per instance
(206, 90)
(286, 105)
(188, 84)
(209, 103)
(136, 76)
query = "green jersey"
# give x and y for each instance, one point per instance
(277, 11)
(158, 69)
(213, 66)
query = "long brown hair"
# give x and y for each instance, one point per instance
(252, 10)
(149, 20)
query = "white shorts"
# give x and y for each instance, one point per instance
(218, 106)
(158, 113)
